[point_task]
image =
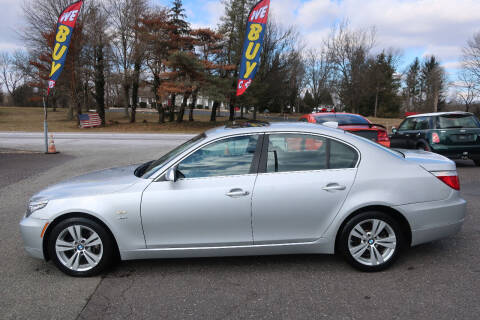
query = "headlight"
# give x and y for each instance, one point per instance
(34, 206)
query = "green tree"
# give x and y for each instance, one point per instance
(433, 84)
(384, 85)
(309, 101)
(413, 86)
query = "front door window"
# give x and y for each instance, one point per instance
(228, 157)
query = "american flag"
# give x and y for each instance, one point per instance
(90, 120)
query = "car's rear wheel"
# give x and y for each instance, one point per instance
(371, 241)
(81, 247)
(477, 162)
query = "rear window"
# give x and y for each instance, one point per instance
(457, 121)
(342, 119)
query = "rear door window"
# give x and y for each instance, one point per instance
(298, 152)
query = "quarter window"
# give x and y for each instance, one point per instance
(342, 156)
(232, 156)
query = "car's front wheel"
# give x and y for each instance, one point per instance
(80, 247)
(371, 241)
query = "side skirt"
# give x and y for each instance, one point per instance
(321, 246)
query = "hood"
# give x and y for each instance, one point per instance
(428, 160)
(94, 183)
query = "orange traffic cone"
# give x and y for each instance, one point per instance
(51, 146)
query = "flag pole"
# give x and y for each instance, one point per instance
(45, 123)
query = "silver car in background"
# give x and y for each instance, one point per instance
(251, 189)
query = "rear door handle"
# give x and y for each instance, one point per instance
(235, 193)
(334, 187)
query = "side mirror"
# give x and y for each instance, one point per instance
(171, 174)
(394, 130)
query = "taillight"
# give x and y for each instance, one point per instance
(382, 136)
(450, 178)
(435, 138)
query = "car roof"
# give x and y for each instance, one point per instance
(270, 127)
(336, 113)
(440, 114)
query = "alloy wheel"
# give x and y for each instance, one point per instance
(79, 248)
(372, 242)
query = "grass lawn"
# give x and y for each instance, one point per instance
(31, 120)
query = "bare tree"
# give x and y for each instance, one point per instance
(348, 50)
(471, 57)
(319, 70)
(124, 16)
(469, 78)
(12, 71)
(468, 89)
(154, 33)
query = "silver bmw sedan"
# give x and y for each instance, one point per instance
(251, 189)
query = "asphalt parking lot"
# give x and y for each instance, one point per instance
(440, 280)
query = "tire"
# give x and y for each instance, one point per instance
(477, 162)
(383, 257)
(86, 255)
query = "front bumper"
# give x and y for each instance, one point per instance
(31, 230)
(435, 220)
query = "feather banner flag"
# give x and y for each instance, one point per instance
(65, 25)
(252, 48)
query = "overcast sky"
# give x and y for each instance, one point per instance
(416, 27)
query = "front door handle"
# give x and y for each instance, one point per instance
(334, 187)
(235, 193)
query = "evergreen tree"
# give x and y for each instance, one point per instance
(309, 101)
(180, 40)
(413, 86)
(433, 83)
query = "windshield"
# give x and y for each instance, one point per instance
(153, 166)
(342, 119)
(453, 121)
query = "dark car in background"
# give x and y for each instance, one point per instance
(353, 123)
(455, 135)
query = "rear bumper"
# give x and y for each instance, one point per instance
(31, 230)
(458, 152)
(435, 220)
